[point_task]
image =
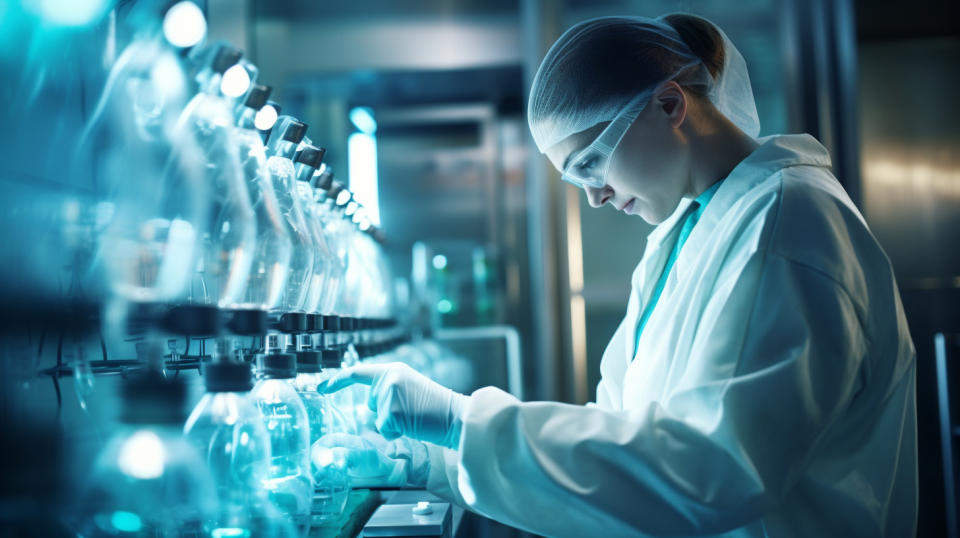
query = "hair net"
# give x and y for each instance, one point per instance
(572, 92)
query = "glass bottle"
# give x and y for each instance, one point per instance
(149, 480)
(229, 236)
(330, 477)
(228, 431)
(308, 158)
(271, 258)
(285, 135)
(289, 483)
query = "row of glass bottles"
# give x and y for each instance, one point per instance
(198, 210)
(241, 465)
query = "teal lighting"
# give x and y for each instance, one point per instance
(126, 521)
(362, 119)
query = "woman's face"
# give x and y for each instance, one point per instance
(649, 170)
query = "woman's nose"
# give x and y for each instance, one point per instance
(598, 197)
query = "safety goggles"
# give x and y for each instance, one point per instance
(588, 167)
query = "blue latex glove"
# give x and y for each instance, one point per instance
(406, 402)
(373, 461)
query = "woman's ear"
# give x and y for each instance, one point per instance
(673, 103)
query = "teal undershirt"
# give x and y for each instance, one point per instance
(693, 215)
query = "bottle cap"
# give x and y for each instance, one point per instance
(257, 96)
(335, 189)
(308, 362)
(323, 180)
(311, 156)
(227, 376)
(294, 131)
(277, 366)
(226, 58)
(331, 358)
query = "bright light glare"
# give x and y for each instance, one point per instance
(235, 81)
(125, 521)
(322, 457)
(142, 456)
(69, 12)
(439, 261)
(362, 169)
(265, 118)
(343, 197)
(184, 25)
(444, 306)
(167, 76)
(351, 208)
(362, 118)
(359, 216)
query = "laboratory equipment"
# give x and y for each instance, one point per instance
(230, 435)
(289, 484)
(330, 478)
(149, 480)
(273, 252)
(228, 239)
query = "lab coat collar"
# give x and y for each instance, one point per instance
(773, 154)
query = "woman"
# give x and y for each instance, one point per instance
(762, 380)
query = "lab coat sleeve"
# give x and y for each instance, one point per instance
(725, 447)
(442, 479)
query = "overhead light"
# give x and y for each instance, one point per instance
(363, 174)
(351, 208)
(265, 118)
(184, 25)
(362, 119)
(235, 81)
(69, 12)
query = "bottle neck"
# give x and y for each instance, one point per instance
(304, 172)
(209, 83)
(284, 148)
(247, 119)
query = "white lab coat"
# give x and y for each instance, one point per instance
(772, 393)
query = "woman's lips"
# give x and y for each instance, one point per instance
(628, 206)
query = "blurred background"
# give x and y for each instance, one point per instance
(420, 106)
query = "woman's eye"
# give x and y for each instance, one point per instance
(586, 164)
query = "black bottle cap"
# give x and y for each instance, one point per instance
(292, 323)
(323, 180)
(334, 191)
(294, 131)
(257, 96)
(311, 156)
(277, 365)
(247, 322)
(227, 377)
(308, 362)
(193, 320)
(331, 358)
(150, 398)
(226, 58)
(330, 323)
(314, 323)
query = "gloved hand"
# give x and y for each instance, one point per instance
(406, 402)
(373, 461)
